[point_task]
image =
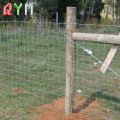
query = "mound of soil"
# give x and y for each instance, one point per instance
(17, 91)
(85, 109)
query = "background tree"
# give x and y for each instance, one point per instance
(86, 9)
(46, 8)
(62, 4)
(94, 9)
(117, 10)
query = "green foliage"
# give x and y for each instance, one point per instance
(117, 7)
(63, 4)
(93, 10)
(46, 8)
(106, 21)
(87, 9)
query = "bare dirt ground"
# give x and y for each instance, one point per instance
(17, 91)
(85, 109)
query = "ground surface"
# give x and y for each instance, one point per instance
(84, 110)
(32, 75)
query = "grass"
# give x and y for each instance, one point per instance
(34, 61)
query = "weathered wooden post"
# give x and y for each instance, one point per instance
(70, 59)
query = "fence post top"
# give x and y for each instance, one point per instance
(71, 7)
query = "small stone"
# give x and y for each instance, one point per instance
(108, 110)
(79, 91)
(95, 63)
(7, 117)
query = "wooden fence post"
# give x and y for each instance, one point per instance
(70, 59)
(56, 20)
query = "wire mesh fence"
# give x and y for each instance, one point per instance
(99, 90)
(33, 74)
(31, 63)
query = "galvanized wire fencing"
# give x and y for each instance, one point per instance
(33, 73)
(32, 66)
(102, 90)
(96, 54)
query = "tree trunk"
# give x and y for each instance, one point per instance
(116, 19)
(119, 14)
(83, 17)
(113, 11)
(107, 13)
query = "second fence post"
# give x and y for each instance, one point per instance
(70, 59)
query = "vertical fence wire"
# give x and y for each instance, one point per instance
(32, 73)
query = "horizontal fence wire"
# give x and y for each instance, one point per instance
(33, 73)
(32, 62)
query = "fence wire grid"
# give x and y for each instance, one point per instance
(33, 73)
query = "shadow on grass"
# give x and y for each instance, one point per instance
(91, 99)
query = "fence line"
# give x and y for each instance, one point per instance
(70, 62)
(33, 67)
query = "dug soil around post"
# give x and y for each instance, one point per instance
(84, 109)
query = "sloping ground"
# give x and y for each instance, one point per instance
(85, 109)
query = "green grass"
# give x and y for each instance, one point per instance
(34, 61)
